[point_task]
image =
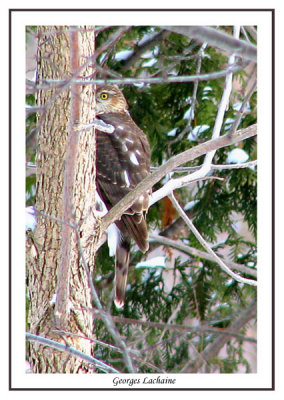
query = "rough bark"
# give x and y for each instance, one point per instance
(44, 255)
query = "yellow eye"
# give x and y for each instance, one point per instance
(104, 96)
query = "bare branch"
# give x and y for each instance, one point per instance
(242, 109)
(218, 39)
(71, 350)
(220, 262)
(134, 353)
(199, 253)
(191, 329)
(97, 124)
(57, 83)
(252, 31)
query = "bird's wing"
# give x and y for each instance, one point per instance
(123, 160)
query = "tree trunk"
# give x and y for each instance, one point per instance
(46, 255)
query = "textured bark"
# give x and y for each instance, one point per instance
(45, 253)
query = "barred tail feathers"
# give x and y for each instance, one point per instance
(121, 271)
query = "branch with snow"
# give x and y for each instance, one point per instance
(234, 157)
(206, 166)
(174, 162)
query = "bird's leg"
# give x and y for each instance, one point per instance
(97, 124)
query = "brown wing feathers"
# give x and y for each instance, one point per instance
(123, 160)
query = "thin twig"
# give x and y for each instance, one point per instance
(134, 353)
(142, 48)
(96, 341)
(220, 167)
(217, 39)
(199, 253)
(242, 109)
(71, 350)
(219, 261)
(189, 329)
(58, 83)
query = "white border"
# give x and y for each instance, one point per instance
(262, 379)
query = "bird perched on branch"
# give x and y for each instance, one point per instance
(123, 160)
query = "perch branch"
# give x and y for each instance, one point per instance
(174, 162)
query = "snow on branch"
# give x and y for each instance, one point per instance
(174, 162)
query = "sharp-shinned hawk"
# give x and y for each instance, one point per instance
(123, 160)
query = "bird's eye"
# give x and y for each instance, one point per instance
(104, 96)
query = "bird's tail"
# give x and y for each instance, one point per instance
(121, 271)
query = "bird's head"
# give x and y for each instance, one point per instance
(110, 99)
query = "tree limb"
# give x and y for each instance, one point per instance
(218, 39)
(218, 260)
(192, 329)
(71, 350)
(199, 253)
(186, 156)
(58, 83)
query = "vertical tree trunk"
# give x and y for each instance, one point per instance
(43, 265)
